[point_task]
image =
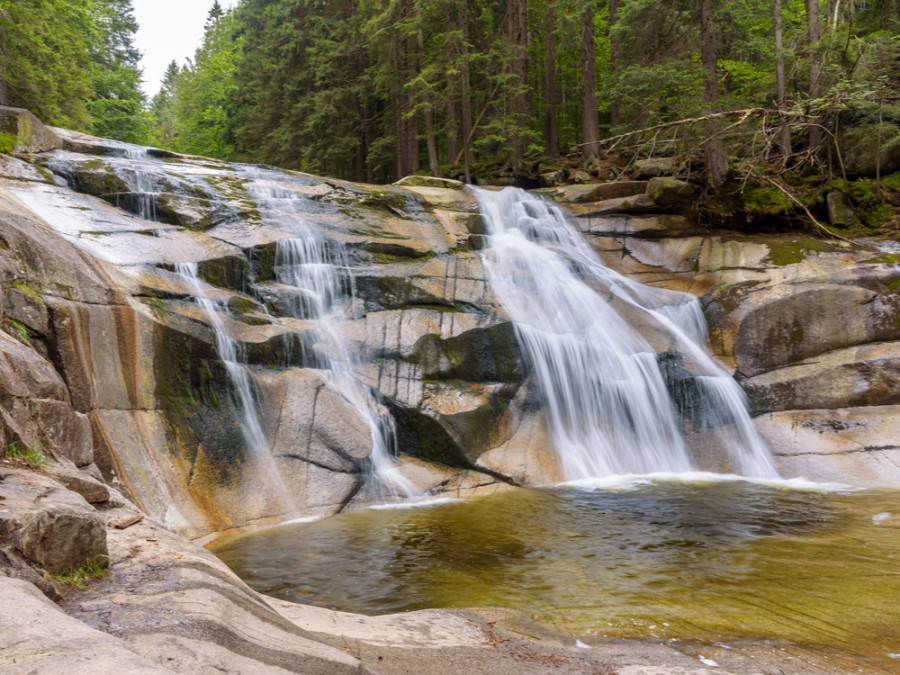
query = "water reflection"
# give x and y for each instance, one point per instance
(719, 561)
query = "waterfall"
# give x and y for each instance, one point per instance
(230, 354)
(315, 269)
(586, 332)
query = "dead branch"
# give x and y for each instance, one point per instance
(746, 113)
(809, 215)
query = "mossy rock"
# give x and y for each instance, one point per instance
(430, 181)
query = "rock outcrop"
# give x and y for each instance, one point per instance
(812, 329)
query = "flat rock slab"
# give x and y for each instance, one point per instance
(856, 446)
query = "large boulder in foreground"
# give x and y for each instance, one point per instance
(56, 534)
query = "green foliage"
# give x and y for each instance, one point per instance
(766, 200)
(8, 142)
(33, 457)
(95, 568)
(72, 63)
(19, 329)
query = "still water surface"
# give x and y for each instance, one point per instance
(707, 560)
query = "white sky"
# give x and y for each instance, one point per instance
(169, 29)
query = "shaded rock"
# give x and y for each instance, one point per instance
(670, 192)
(36, 408)
(650, 168)
(430, 181)
(861, 375)
(860, 149)
(856, 446)
(840, 211)
(552, 178)
(636, 204)
(580, 176)
(56, 534)
(30, 134)
(93, 491)
(784, 325)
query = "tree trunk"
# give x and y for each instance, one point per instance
(714, 151)
(433, 164)
(517, 33)
(4, 92)
(813, 35)
(466, 88)
(613, 58)
(551, 139)
(590, 120)
(784, 133)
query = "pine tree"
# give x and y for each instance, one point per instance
(117, 103)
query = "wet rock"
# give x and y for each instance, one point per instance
(670, 192)
(840, 211)
(856, 446)
(644, 169)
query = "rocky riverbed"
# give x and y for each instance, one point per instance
(110, 367)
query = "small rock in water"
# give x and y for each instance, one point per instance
(708, 662)
(879, 518)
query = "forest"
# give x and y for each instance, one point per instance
(783, 96)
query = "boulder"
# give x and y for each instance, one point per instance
(552, 178)
(62, 533)
(634, 205)
(840, 211)
(30, 135)
(670, 192)
(861, 375)
(580, 176)
(650, 168)
(785, 324)
(599, 192)
(430, 181)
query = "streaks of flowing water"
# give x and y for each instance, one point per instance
(586, 333)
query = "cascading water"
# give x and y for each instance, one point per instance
(609, 409)
(322, 290)
(230, 354)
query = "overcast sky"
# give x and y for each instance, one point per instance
(169, 29)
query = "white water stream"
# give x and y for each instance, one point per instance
(229, 352)
(581, 326)
(317, 271)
